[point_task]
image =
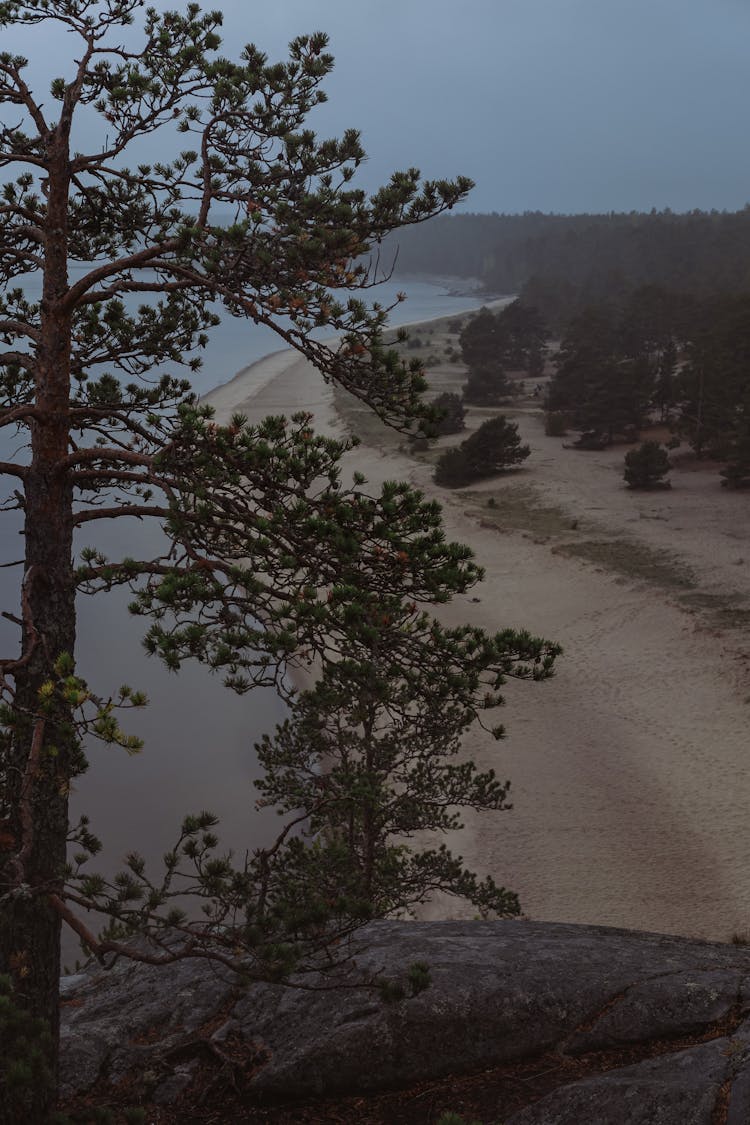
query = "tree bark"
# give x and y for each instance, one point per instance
(39, 775)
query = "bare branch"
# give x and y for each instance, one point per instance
(139, 511)
(95, 478)
(7, 468)
(22, 359)
(24, 256)
(118, 456)
(11, 327)
(22, 96)
(132, 952)
(140, 259)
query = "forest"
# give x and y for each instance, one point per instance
(561, 263)
(648, 318)
(660, 359)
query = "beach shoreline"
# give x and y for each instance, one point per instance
(628, 768)
(246, 388)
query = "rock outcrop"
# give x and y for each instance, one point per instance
(500, 992)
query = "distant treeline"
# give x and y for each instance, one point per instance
(562, 263)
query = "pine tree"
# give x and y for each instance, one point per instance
(736, 473)
(481, 351)
(367, 761)
(487, 384)
(602, 389)
(268, 551)
(450, 412)
(665, 389)
(522, 336)
(479, 339)
(713, 382)
(587, 358)
(492, 344)
(647, 466)
(491, 449)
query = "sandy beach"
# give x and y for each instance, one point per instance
(630, 775)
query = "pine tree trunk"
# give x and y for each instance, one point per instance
(29, 926)
(41, 749)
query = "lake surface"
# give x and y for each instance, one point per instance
(199, 736)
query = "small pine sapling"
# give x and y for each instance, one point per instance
(647, 466)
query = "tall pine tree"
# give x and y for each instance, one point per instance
(268, 552)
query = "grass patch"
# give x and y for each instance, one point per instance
(731, 616)
(632, 560)
(519, 508)
(725, 611)
(699, 600)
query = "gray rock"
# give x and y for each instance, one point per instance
(738, 1111)
(500, 991)
(122, 1020)
(662, 1007)
(673, 1089)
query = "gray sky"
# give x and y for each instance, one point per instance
(555, 105)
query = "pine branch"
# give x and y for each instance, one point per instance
(20, 359)
(12, 327)
(139, 511)
(8, 468)
(15, 90)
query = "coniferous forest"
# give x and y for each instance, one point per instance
(649, 315)
(561, 263)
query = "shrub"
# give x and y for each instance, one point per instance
(495, 446)
(486, 385)
(452, 469)
(452, 415)
(555, 424)
(646, 466)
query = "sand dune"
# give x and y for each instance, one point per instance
(630, 774)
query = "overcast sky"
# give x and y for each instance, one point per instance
(555, 105)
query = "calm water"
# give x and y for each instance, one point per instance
(199, 737)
